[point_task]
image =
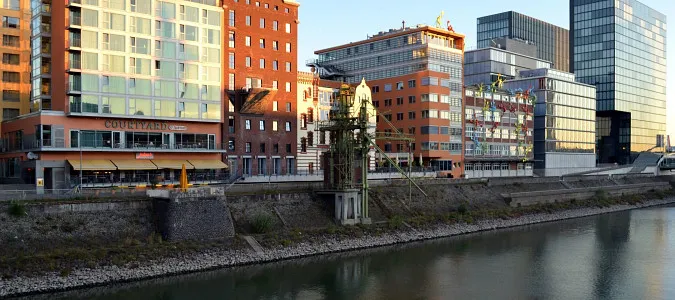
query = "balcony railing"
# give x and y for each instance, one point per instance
(152, 146)
(75, 42)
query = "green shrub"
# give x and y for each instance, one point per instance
(396, 222)
(262, 223)
(462, 209)
(17, 209)
(601, 196)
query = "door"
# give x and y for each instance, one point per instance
(117, 141)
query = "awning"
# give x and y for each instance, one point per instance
(134, 164)
(92, 165)
(208, 164)
(172, 164)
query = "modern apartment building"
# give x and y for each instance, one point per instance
(619, 46)
(552, 41)
(15, 50)
(490, 64)
(498, 133)
(261, 80)
(564, 121)
(415, 75)
(125, 92)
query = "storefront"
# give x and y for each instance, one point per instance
(53, 151)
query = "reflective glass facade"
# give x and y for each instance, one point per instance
(147, 59)
(485, 65)
(564, 119)
(398, 55)
(552, 41)
(619, 46)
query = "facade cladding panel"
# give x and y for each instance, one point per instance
(260, 45)
(552, 41)
(486, 65)
(619, 46)
(564, 121)
(416, 79)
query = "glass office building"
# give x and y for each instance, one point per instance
(486, 65)
(619, 46)
(552, 41)
(564, 121)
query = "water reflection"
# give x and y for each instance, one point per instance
(618, 256)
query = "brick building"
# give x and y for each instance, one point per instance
(15, 49)
(261, 85)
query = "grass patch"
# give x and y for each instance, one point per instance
(17, 209)
(262, 223)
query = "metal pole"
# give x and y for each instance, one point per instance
(79, 142)
(410, 157)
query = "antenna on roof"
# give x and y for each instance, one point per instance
(403, 27)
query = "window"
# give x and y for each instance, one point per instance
(275, 25)
(387, 87)
(262, 125)
(288, 47)
(10, 59)
(248, 20)
(262, 43)
(303, 145)
(275, 125)
(10, 40)
(399, 101)
(399, 85)
(387, 102)
(399, 116)
(248, 147)
(411, 115)
(10, 77)
(231, 20)
(275, 84)
(231, 39)
(248, 61)
(288, 107)
(10, 4)
(275, 45)
(262, 63)
(231, 60)
(248, 41)
(262, 22)
(288, 126)
(411, 99)
(275, 105)
(288, 86)
(275, 65)
(288, 66)
(288, 28)
(10, 22)
(411, 83)
(11, 95)
(262, 150)
(248, 125)
(9, 113)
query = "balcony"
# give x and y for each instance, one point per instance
(75, 2)
(74, 87)
(75, 43)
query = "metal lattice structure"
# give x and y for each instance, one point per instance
(347, 161)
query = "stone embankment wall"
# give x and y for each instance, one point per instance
(55, 224)
(199, 216)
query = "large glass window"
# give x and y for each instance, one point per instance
(139, 86)
(90, 83)
(140, 25)
(165, 88)
(89, 104)
(114, 84)
(114, 21)
(89, 61)
(113, 105)
(89, 39)
(166, 10)
(89, 18)
(140, 107)
(165, 108)
(189, 110)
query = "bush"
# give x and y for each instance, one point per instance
(396, 222)
(462, 209)
(601, 196)
(262, 223)
(17, 209)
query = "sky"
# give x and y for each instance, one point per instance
(328, 23)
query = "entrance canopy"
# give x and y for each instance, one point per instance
(134, 164)
(208, 164)
(92, 165)
(172, 164)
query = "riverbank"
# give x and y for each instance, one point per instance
(329, 243)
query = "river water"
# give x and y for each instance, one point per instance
(626, 255)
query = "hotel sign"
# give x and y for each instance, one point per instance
(147, 125)
(145, 155)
